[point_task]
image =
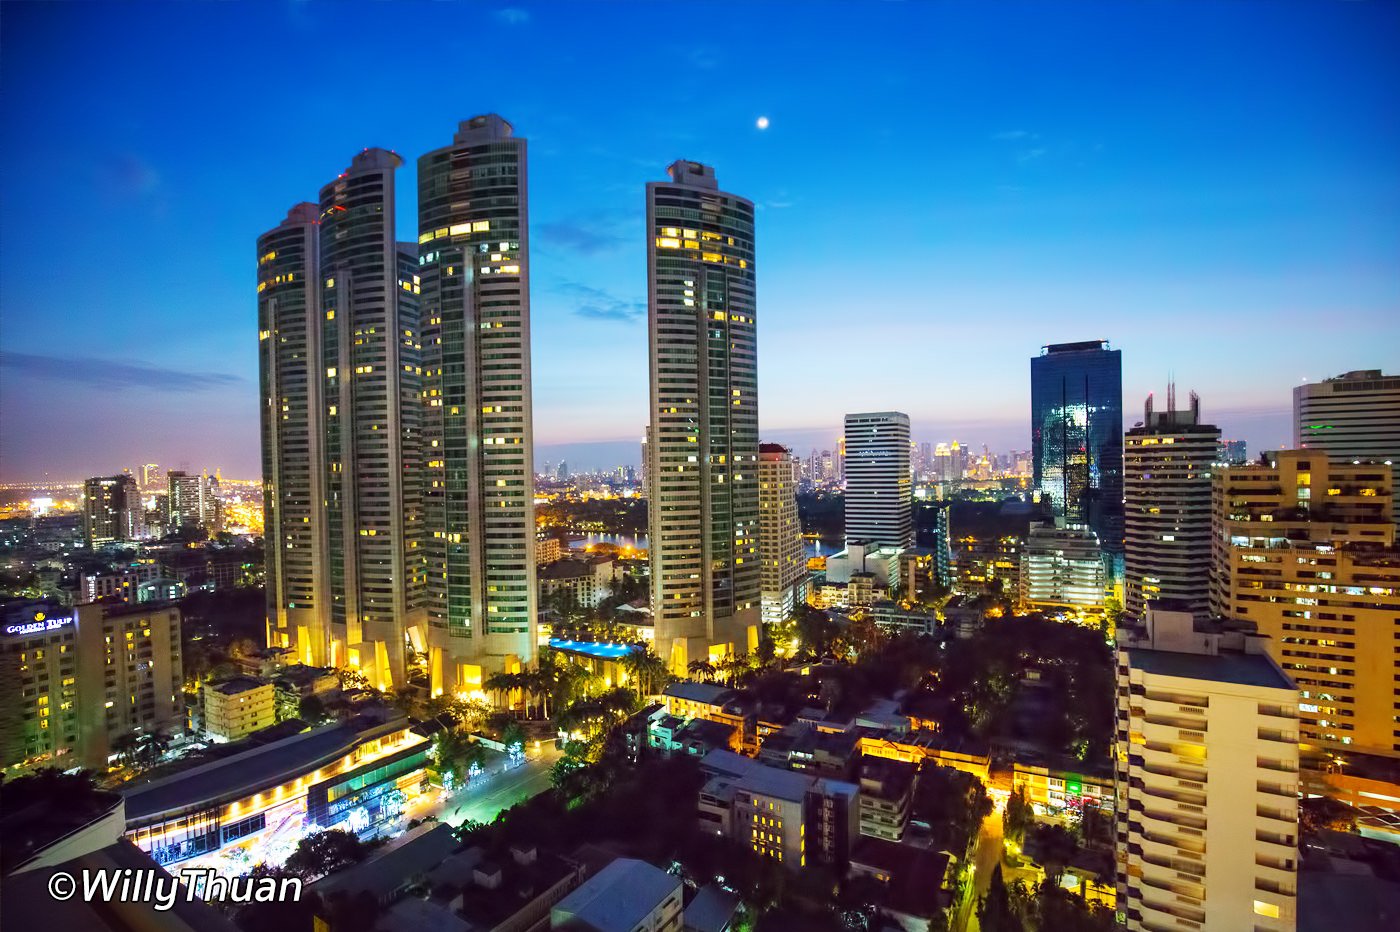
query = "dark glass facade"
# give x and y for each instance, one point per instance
(1077, 435)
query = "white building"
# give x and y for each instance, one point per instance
(1167, 463)
(1061, 567)
(879, 488)
(238, 707)
(1207, 779)
(1352, 417)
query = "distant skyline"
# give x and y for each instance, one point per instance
(1213, 188)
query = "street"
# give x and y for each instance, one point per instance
(989, 848)
(489, 793)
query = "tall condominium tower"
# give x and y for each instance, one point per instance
(779, 532)
(111, 510)
(703, 455)
(1355, 416)
(290, 377)
(473, 257)
(1305, 549)
(1207, 780)
(879, 503)
(1166, 467)
(192, 501)
(1077, 435)
(370, 351)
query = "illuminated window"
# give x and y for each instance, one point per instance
(1265, 909)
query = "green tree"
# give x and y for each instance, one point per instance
(325, 852)
(994, 913)
(1018, 817)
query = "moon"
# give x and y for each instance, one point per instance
(761, 122)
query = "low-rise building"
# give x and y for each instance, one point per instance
(913, 881)
(585, 582)
(886, 796)
(236, 708)
(626, 896)
(299, 682)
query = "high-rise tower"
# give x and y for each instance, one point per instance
(879, 502)
(370, 350)
(473, 257)
(1167, 463)
(1077, 435)
(703, 456)
(1353, 417)
(111, 510)
(779, 532)
(290, 378)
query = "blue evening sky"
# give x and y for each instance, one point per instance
(943, 188)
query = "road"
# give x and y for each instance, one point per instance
(989, 849)
(491, 792)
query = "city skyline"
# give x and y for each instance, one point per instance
(1176, 239)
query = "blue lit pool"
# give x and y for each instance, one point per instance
(594, 648)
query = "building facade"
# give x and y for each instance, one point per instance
(1355, 416)
(290, 378)
(478, 446)
(111, 510)
(1167, 463)
(1305, 550)
(1077, 435)
(371, 463)
(879, 486)
(703, 455)
(1207, 780)
(780, 548)
(80, 686)
(236, 708)
(1061, 567)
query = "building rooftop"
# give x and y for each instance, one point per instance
(708, 693)
(416, 852)
(617, 898)
(1226, 667)
(712, 910)
(916, 875)
(249, 771)
(235, 686)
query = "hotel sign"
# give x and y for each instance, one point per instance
(39, 623)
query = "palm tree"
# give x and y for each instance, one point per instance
(499, 683)
(702, 669)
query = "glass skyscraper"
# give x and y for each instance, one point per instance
(1077, 436)
(702, 472)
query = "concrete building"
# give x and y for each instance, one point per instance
(192, 501)
(626, 896)
(478, 435)
(111, 510)
(1305, 550)
(1234, 452)
(78, 685)
(1077, 436)
(1355, 416)
(1061, 567)
(123, 585)
(370, 348)
(783, 577)
(585, 582)
(703, 454)
(236, 708)
(793, 818)
(886, 796)
(1207, 774)
(879, 489)
(1167, 463)
(291, 376)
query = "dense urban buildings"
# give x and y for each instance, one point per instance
(111, 510)
(290, 376)
(703, 468)
(1167, 463)
(780, 548)
(1207, 779)
(879, 506)
(1077, 436)
(478, 444)
(80, 685)
(1305, 550)
(1355, 416)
